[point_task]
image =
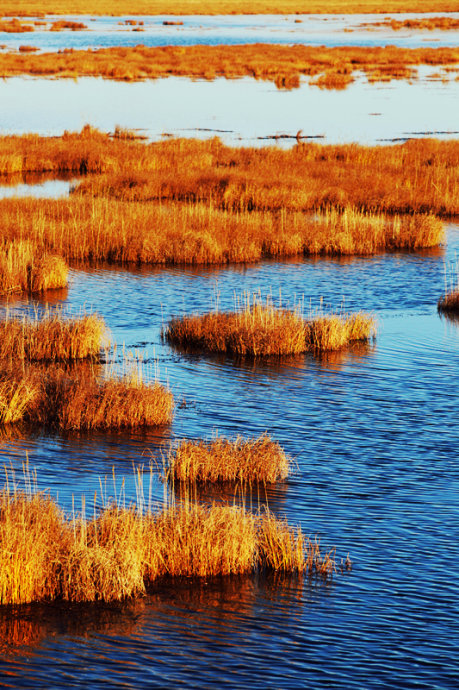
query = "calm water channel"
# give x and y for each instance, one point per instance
(374, 430)
(330, 30)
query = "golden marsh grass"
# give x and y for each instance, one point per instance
(122, 551)
(183, 232)
(285, 66)
(224, 460)
(26, 267)
(449, 302)
(419, 176)
(73, 400)
(52, 338)
(192, 7)
(259, 329)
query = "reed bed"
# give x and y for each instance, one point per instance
(69, 400)
(26, 267)
(84, 229)
(121, 551)
(246, 461)
(284, 65)
(419, 176)
(52, 338)
(421, 23)
(191, 7)
(259, 329)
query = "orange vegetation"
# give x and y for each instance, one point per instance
(52, 338)
(184, 233)
(449, 303)
(75, 399)
(121, 551)
(152, 7)
(26, 267)
(13, 26)
(261, 330)
(223, 460)
(284, 65)
(418, 176)
(430, 23)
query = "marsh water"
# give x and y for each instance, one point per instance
(330, 30)
(373, 429)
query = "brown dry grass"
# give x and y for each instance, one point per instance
(259, 329)
(426, 23)
(224, 460)
(86, 229)
(418, 176)
(122, 551)
(13, 26)
(154, 7)
(80, 400)
(26, 267)
(449, 302)
(52, 338)
(329, 67)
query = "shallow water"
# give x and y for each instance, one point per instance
(239, 111)
(374, 432)
(330, 30)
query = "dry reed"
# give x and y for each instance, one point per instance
(191, 7)
(73, 400)
(261, 330)
(198, 233)
(25, 267)
(122, 551)
(429, 23)
(449, 302)
(329, 67)
(417, 176)
(223, 460)
(52, 338)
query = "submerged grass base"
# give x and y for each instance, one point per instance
(46, 555)
(262, 330)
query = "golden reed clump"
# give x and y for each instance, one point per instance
(122, 551)
(26, 267)
(199, 233)
(52, 338)
(261, 330)
(81, 400)
(285, 65)
(224, 460)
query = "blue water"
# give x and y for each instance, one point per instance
(330, 30)
(374, 433)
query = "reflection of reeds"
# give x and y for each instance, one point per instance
(261, 330)
(223, 460)
(53, 337)
(121, 551)
(284, 65)
(26, 267)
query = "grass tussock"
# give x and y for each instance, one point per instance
(419, 176)
(261, 330)
(52, 338)
(72, 400)
(119, 553)
(224, 460)
(191, 7)
(14, 26)
(286, 66)
(26, 267)
(197, 233)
